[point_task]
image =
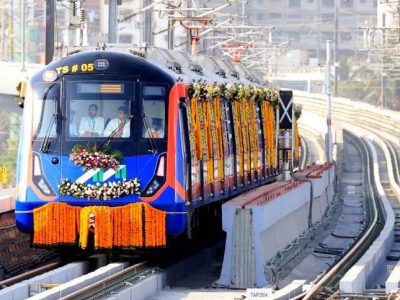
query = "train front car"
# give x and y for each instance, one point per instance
(97, 153)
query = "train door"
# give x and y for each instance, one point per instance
(239, 146)
(194, 137)
(228, 146)
(217, 142)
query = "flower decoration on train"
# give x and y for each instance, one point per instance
(105, 191)
(297, 111)
(197, 90)
(203, 91)
(249, 92)
(240, 92)
(272, 95)
(231, 91)
(91, 157)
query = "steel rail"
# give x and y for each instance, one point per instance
(106, 282)
(305, 153)
(360, 246)
(29, 274)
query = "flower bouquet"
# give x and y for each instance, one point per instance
(90, 157)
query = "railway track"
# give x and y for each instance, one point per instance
(382, 128)
(113, 283)
(326, 285)
(16, 254)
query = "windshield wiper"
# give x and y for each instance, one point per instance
(153, 148)
(47, 139)
(114, 132)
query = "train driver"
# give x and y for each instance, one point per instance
(119, 125)
(156, 130)
(91, 125)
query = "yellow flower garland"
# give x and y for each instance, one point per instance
(196, 127)
(122, 226)
(218, 129)
(254, 133)
(296, 141)
(238, 135)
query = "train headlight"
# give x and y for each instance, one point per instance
(38, 179)
(158, 179)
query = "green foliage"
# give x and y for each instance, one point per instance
(9, 138)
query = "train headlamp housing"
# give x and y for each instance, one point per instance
(38, 178)
(158, 179)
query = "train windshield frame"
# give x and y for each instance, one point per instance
(109, 102)
(46, 109)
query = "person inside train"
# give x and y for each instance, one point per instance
(156, 129)
(91, 125)
(120, 125)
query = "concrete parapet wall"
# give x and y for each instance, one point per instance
(80, 282)
(57, 276)
(262, 222)
(362, 273)
(7, 200)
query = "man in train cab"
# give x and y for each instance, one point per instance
(91, 125)
(156, 129)
(119, 125)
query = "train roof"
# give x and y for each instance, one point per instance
(108, 62)
(167, 65)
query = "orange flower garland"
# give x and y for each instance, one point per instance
(254, 134)
(196, 127)
(55, 223)
(132, 225)
(296, 141)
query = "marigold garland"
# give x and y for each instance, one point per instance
(55, 223)
(219, 138)
(132, 225)
(296, 141)
(243, 99)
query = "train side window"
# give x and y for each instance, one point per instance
(153, 109)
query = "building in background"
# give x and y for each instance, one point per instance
(388, 23)
(307, 24)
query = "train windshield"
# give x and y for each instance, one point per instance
(46, 97)
(98, 109)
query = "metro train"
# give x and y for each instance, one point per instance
(124, 146)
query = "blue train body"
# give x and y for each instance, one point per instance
(63, 91)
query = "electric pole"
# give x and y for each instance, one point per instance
(50, 12)
(112, 21)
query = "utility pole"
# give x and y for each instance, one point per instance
(329, 95)
(23, 36)
(171, 23)
(112, 21)
(11, 31)
(148, 36)
(335, 50)
(50, 12)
